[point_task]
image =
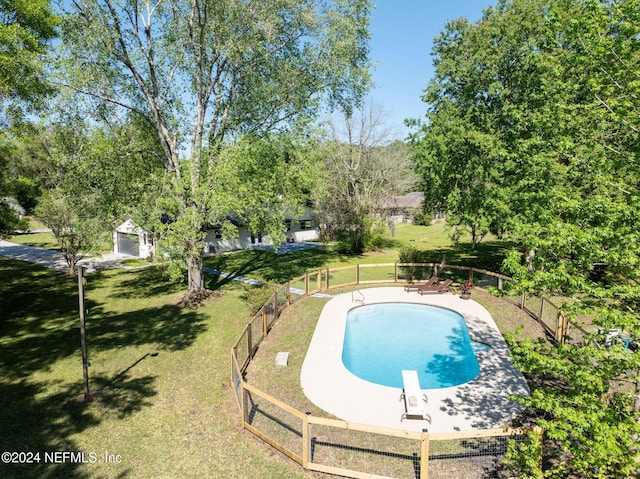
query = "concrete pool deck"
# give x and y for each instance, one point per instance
(482, 403)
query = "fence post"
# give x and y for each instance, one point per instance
(541, 310)
(358, 273)
(522, 300)
(395, 273)
(275, 306)
(471, 275)
(306, 284)
(249, 340)
(424, 455)
(500, 283)
(265, 323)
(243, 405)
(561, 327)
(306, 441)
(288, 292)
(327, 278)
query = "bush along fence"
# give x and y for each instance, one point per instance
(356, 450)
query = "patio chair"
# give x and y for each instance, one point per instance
(417, 286)
(437, 288)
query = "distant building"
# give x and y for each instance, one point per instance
(401, 209)
(130, 239)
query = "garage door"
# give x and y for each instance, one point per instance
(128, 244)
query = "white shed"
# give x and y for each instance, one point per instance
(130, 239)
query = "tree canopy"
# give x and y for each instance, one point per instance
(26, 27)
(532, 133)
(207, 74)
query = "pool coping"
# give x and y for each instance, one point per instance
(482, 403)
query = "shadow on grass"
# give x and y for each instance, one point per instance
(36, 421)
(269, 266)
(43, 338)
(141, 283)
(167, 327)
(488, 255)
(31, 423)
(39, 328)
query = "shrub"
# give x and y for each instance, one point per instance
(410, 254)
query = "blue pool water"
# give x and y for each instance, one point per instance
(383, 339)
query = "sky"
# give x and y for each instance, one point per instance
(401, 39)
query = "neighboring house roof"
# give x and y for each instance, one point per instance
(409, 201)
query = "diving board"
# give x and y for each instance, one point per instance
(414, 399)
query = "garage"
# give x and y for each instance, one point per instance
(128, 244)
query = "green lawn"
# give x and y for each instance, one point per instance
(162, 403)
(47, 240)
(433, 240)
(159, 376)
(39, 240)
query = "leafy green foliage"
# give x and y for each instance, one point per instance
(26, 192)
(25, 28)
(536, 138)
(410, 254)
(207, 76)
(91, 179)
(9, 221)
(72, 232)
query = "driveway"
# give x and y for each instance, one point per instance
(54, 259)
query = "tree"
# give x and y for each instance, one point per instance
(558, 97)
(207, 74)
(71, 232)
(590, 126)
(476, 126)
(26, 27)
(90, 178)
(363, 169)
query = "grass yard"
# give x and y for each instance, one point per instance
(47, 240)
(162, 402)
(38, 240)
(433, 240)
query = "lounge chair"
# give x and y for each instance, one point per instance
(437, 288)
(414, 399)
(417, 286)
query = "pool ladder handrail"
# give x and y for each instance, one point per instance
(354, 299)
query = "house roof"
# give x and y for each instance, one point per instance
(409, 201)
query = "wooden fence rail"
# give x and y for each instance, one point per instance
(291, 432)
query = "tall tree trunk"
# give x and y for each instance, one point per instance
(474, 238)
(195, 274)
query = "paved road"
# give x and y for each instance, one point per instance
(54, 259)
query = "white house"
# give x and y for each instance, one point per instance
(298, 230)
(128, 238)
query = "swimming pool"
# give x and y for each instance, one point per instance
(381, 340)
